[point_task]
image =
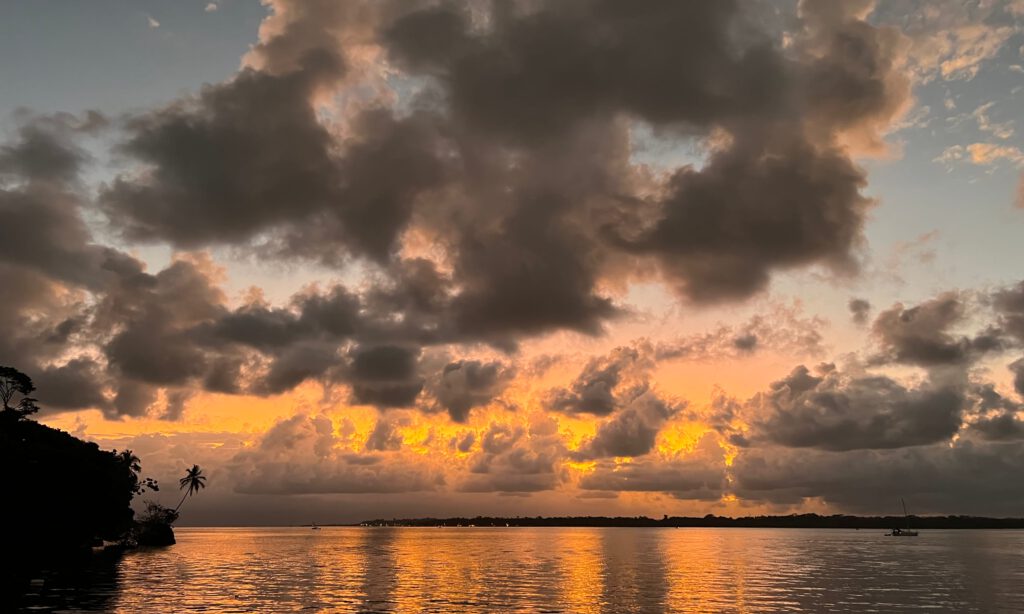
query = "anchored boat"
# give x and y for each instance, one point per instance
(908, 532)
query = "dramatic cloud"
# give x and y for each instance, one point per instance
(517, 459)
(505, 268)
(921, 334)
(597, 389)
(1009, 304)
(466, 384)
(999, 418)
(304, 455)
(632, 431)
(838, 411)
(700, 475)
(966, 478)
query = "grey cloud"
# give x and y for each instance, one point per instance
(920, 334)
(1009, 305)
(700, 476)
(860, 309)
(516, 459)
(1017, 367)
(966, 478)
(838, 411)
(997, 417)
(665, 61)
(300, 455)
(76, 384)
(298, 363)
(632, 431)
(384, 437)
(465, 384)
(386, 376)
(780, 329)
(204, 157)
(596, 389)
(533, 197)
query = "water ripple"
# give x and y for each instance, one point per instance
(586, 570)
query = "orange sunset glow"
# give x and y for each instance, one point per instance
(347, 265)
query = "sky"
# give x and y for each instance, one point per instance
(406, 258)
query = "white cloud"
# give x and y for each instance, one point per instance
(951, 40)
(1002, 130)
(980, 154)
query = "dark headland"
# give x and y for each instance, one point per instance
(794, 521)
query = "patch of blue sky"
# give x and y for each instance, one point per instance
(105, 54)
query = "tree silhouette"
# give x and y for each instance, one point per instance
(14, 382)
(194, 481)
(134, 466)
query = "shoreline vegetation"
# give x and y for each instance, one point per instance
(793, 521)
(67, 500)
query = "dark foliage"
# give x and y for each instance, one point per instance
(62, 496)
(14, 382)
(153, 527)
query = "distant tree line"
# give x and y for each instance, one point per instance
(794, 521)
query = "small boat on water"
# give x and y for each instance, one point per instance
(907, 532)
(314, 527)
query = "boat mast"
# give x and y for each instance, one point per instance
(905, 514)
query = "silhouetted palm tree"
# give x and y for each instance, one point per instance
(194, 481)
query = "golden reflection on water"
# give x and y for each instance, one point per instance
(586, 570)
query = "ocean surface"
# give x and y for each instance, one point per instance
(553, 570)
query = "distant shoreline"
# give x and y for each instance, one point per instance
(799, 521)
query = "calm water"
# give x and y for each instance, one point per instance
(557, 570)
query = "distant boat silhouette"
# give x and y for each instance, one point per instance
(908, 532)
(314, 527)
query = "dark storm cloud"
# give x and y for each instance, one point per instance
(632, 431)
(385, 376)
(41, 206)
(839, 411)
(921, 334)
(1009, 305)
(966, 478)
(860, 309)
(777, 196)
(1017, 367)
(998, 418)
(41, 154)
(243, 155)
(465, 384)
(596, 389)
(153, 314)
(779, 202)
(533, 197)
(77, 384)
(133, 398)
(249, 162)
(570, 61)
(296, 364)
